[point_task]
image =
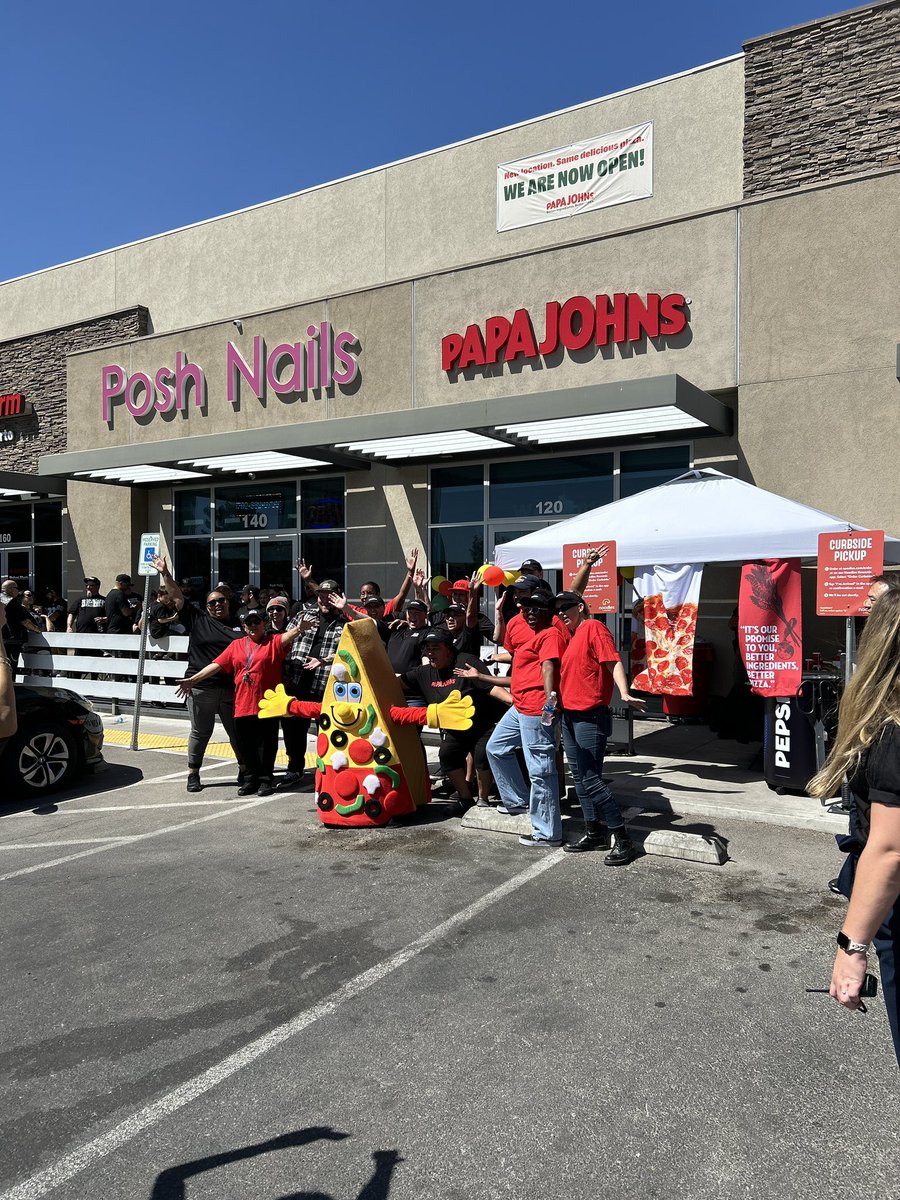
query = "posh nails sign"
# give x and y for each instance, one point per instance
(291, 371)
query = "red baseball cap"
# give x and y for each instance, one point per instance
(461, 585)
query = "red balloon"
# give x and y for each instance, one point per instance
(446, 588)
(493, 576)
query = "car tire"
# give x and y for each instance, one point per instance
(40, 758)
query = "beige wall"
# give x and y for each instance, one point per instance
(433, 213)
(105, 524)
(819, 396)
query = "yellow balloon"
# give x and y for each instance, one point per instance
(437, 581)
(626, 572)
(510, 577)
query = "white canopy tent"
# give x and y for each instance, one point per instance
(702, 516)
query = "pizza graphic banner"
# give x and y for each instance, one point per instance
(664, 622)
(770, 633)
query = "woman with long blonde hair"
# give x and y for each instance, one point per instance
(867, 751)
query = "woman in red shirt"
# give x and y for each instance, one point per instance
(589, 669)
(255, 662)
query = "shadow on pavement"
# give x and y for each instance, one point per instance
(109, 777)
(170, 1184)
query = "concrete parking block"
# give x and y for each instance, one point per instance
(694, 847)
(488, 819)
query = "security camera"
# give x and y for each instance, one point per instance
(239, 326)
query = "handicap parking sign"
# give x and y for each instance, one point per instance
(150, 544)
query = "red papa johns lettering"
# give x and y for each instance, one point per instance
(623, 317)
(12, 405)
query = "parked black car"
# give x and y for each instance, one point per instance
(59, 737)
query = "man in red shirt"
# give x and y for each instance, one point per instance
(255, 662)
(535, 679)
(588, 673)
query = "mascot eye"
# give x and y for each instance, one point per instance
(354, 691)
(340, 691)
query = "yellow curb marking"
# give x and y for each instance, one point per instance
(163, 741)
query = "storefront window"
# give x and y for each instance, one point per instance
(48, 570)
(553, 487)
(457, 494)
(327, 554)
(322, 503)
(48, 523)
(192, 563)
(192, 513)
(457, 550)
(15, 523)
(256, 506)
(643, 469)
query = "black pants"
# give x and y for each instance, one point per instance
(257, 745)
(886, 941)
(296, 729)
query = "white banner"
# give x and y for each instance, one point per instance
(596, 173)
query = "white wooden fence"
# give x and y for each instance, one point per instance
(78, 661)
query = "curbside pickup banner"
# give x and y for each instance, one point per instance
(596, 173)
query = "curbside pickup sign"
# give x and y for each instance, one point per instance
(150, 543)
(596, 173)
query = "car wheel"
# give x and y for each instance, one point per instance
(40, 758)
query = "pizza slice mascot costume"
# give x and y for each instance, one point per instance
(369, 761)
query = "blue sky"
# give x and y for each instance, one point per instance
(120, 121)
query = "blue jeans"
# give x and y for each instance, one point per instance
(516, 730)
(584, 737)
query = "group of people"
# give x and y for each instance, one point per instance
(562, 669)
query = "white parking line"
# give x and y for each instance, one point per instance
(71, 842)
(91, 1152)
(165, 804)
(141, 837)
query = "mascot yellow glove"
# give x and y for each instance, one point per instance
(275, 704)
(455, 712)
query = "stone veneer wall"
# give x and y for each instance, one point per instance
(36, 366)
(822, 100)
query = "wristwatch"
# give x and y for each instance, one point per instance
(851, 947)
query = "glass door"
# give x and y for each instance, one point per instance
(17, 565)
(501, 532)
(260, 561)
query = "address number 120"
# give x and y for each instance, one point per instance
(548, 508)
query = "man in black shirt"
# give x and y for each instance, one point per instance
(209, 633)
(405, 646)
(17, 622)
(88, 613)
(466, 638)
(435, 682)
(123, 607)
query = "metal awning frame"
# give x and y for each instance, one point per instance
(325, 439)
(45, 484)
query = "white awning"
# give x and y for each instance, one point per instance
(426, 445)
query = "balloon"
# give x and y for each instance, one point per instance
(494, 576)
(436, 582)
(626, 572)
(481, 570)
(510, 577)
(439, 603)
(446, 588)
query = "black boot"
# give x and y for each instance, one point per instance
(623, 851)
(595, 837)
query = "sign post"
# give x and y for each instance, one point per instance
(150, 547)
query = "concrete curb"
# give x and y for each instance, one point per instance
(692, 847)
(490, 821)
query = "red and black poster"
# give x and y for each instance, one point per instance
(769, 626)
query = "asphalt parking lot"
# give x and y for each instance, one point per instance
(212, 997)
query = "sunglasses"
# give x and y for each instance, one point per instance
(215, 603)
(253, 621)
(276, 608)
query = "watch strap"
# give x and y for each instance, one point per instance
(851, 947)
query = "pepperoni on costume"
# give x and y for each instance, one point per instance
(321, 745)
(360, 750)
(346, 785)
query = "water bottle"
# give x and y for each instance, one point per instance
(549, 710)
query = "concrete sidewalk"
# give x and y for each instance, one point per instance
(679, 772)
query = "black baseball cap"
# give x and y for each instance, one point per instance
(252, 616)
(528, 566)
(329, 585)
(121, 579)
(539, 600)
(526, 581)
(568, 600)
(92, 579)
(437, 636)
(455, 609)
(373, 600)
(418, 605)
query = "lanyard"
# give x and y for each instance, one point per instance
(249, 654)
